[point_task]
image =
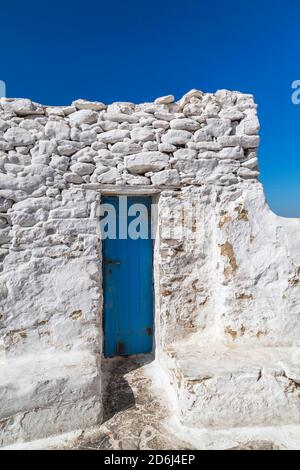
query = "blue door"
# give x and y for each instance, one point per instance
(127, 277)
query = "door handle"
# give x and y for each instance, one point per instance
(110, 261)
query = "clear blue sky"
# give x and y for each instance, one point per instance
(135, 50)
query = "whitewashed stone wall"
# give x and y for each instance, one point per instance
(233, 279)
(236, 277)
(50, 329)
(201, 139)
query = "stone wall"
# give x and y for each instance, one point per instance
(232, 278)
(50, 328)
(202, 139)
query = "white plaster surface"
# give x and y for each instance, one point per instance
(152, 423)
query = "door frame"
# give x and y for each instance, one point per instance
(154, 194)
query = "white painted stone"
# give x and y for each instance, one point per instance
(60, 163)
(127, 125)
(166, 177)
(123, 107)
(166, 116)
(185, 153)
(248, 173)
(5, 146)
(217, 127)
(188, 96)
(135, 180)
(109, 177)
(75, 134)
(125, 148)
(249, 126)
(205, 169)
(113, 136)
(201, 136)
(85, 155)
(31, 125)
(3, 125)
(85, 104)
(72, 178)
(20, 106)
(150, 146)
(54, 110)
(141, 134)
(208, 145)
(212, 110)
(165, 99)
(167, 148)
(88, 137)
(98, 146)
(67, 148)
(5, 204)
(108, 125)
(120, 117)
(146, 161)
(84, 116)
(234, 153)
(245, 141)
(233, 113)
(185, 124)
(230, 140)
(249, 141)
(176, 137)
(160, 124)
(57, 130)
(82, 169)
(68, 110)
(252, 163)
(18, 136)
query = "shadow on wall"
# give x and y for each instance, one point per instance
(119, 396)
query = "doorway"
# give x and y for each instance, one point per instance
(127, 275)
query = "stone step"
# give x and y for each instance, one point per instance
(48, 394)
(229, 386)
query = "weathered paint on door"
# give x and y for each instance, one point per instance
(128, 291)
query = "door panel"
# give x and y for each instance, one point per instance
(127, 285)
